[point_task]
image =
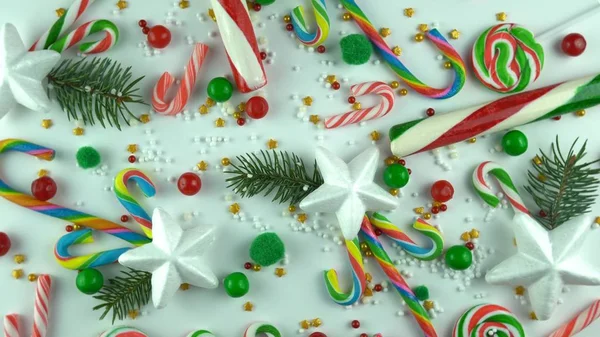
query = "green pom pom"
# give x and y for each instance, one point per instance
(422, 293)
(267, 249)
(264, 2)
(88, 157)
(356, 49)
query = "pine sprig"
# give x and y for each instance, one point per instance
(125, 293)
(95, 90)
(562, 186)
(272, 171)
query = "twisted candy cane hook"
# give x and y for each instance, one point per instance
(484, 190)
(40, 311)
(111, 37)
(187, 84)
(579, 322)
(321, 18)
(359, 280)
(129, 202)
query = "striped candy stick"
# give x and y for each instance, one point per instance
(93, 260)
(322, 21)
(579, 322)
(503, 114)
(359, 279)
(184, 92)
(483, 188)
(128, 201)
(398, 236)
(111, 37)
(399, 68)
(262, 328)
(123, 331)
(488, 320)
(237, 33)
(385, 105)
(11, 326)
(367, 233)
(41, 310)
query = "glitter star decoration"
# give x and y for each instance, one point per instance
(122, 4)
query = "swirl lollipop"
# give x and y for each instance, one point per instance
(488, 320)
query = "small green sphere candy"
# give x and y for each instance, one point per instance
(396, 176)
(264, 2)
(514, 143)
(422, 293)
(459, 257)
(220, 89)
(236, 284)
(89, 281)
(87, 157)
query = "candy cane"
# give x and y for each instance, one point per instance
(399, 68)
(41, 310)
(201, 333)
(398, 236)
(579, 322)
(359, 279)
(123, 331)
(419, 313)
(321, 18)
(488, 320)
(386, 103)
(482, 187)
(187, 84)
(129, 202)
(240, 43)
(111, 32)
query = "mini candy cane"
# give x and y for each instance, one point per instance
(262, 328)
(386, 103)
(110, 39)
(506, 184)
(127, 200)
(123, 331)
(40, 311)
(321, 18)
(579, 322)
(398, 236)
(187, 84)
(201, 333)
(359, 280)
(419, 313)
(488, 320)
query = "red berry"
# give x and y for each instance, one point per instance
(257, 7)
(189, 183)
(435, 210)
(247, 265)
(430, 112)
(289, 27)
(355, 324)
(132, 159)
(409, 171)
(470, 245)
(145, 30)
(573, 44)
(402, 162)
(542, 213)
(335, 85)
(4, 244)
(263, 55)
(69, 228)
(321, 49)
(557, 118)
(257, 107)
(442, 191)
(142, 23)
(317, 334)
(240, 121)
(443, 207)
(378, 232)
(351, 99)
(159, 36)
(363, 335)
(378, 287)
(124, 218)
(43, 188)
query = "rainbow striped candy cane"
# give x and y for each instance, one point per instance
(399, 68)
(111, 37)
(406, 243)
(321, 18)
(484, 190)
(129, 202)
(359, 279)
(368, 235)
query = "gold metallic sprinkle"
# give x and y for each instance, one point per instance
(302, 217)
(122, 4)
(454, 34)
(234, 208)
(202, 165)
(409, 12)
(19, 258)
(502, 16)
(385, 32)
(308, 101)
(272, 144)
(145, 118)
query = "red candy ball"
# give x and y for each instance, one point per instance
(435, 210)
(142, 23)
(124, 218)
(189, 183)
(430, 112)
(335, 85)
(69, 228)
(378, 232)
(257, 7)
(363, 335)
(442, 191)
(131, 159)
(321, 49)
(159, 36)
(402, 162)
(378, 287)
(43, 188)
(317, 334)
(573, 44)
(351, 99)
(289, 27)
(470, 245)
(542, 214)
(355, 324)
(4, 244)
(247, 265)
(240, 121)
(257, 107)
(263, 55)
(557, 118)
(443, 207)
(145, 30)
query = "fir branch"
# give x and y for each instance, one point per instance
(125, 293)
(272, 171)
(95, 90)
(563, 187)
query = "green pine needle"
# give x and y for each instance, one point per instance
(273, 171)
(567, 188)
(125, 293)
(95, 90)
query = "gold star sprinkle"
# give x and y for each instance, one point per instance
(394, 84)
(447, 65)
(419, 210)
(122, 4)
(465, 236)
(42, 173)
(356, 106)
(183, 4)
(19, 258)
(287, 19)
(78, 131)
(210, 102)
(537, 160)
(17, 273)
(203, 109)
(409, 12)
(597, 220)
(132, 148)
(502, 16)
(242, 107)
(280, 272)
(346, 16)
(291, 208)
(225, 161)
(397, 51)
(368, 292)
(331, 79)
(419, 37)
(145, 118)
(133, 314)
(248, 306)
(32, 277)
(202, 165)
(533, 316)
(305, 324)
(428, 305)
(256, 267)
(403, 92)
(302, 217)
(580, 113)
(474, 233)
(272, 144)
(472, 140)
(541, 177)
(423, 27)
(314, 119)
(184, 286)
(308, 101)
(234, 208)
(220, 122)
(211, 13)
(454, 34)
(375, 135)
(317, 322)
(385, 32)
(60, 12)
(520, 290)
(368, 277)
(394, 191)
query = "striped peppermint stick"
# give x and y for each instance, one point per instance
(262, 328)
(40, 311)
(385, 105)
(111, 37)
(483, 188)
(11, 326)
(240, 43)
(579, 322)
(503, 114)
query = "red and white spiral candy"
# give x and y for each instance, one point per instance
(579, 322)
(40, 311)
(386, 103)
(186, 87)
(240, 43)
(483, 188)
(11, 326)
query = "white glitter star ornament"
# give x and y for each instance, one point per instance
(348, 189)
(22, 72)
(174, 257)
(546, 261)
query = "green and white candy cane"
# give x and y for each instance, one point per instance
(482, 187)
(111, 37)
(201, 333)
(262, 328)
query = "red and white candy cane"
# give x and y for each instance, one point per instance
(240, 43)
(386, 103)
(482, 187)
(40, 311)
(579, 322)
(184, 92)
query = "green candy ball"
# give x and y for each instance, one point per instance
(220, 89)
(396, 176)
(422, 293)
(236, 284)
(87, 157)
(267, 249)
(89, 281)
(514, 143)
(264, 2)
(459, 257)
(356, 49)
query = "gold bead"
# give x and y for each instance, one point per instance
(533, 316)
(46, 123)
(409, 12)
(394, 84)
(211, 14)
(423, 28)
(356, 106)
(403, 92)
(302, 217)
(237, 114)
(368, 253)
(368, 277)
(419, 37)
(454, 34)
(580, 113)
(225, 161)
(122, 4)
(375, 135)
(419, 210)
(394, 191)
(397, 51)
(385, 32)
(76, 227)
(17, 273)
(234, 208)
(210, 102)
(291, 208)
(184, 286)
(287, 19)
(133, 314)
(202, 165)
(183, 4)
(541, 177)
(447, 65)
(314, 119)
(465, 236)
(346, 16)
(428, 305)
(272, 144)
(437, 203)
(220, 122)
(60, 12)
(520, 290)
(427, 216)
(280, 272)
(368, 292)
(19, 258)
(32, 277)
(474, 233)
(597, 220)
(331, 78)
(203, 109)
(501, 16)
(317, 322)
(242, 107)
(256, 267)
(248, 306)
(145, 118)
(78, 131)
(42, 173)
(364, 246)
(472, 140)
(389, 161)
(537, 160)
(308, 101)
(305, 324)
